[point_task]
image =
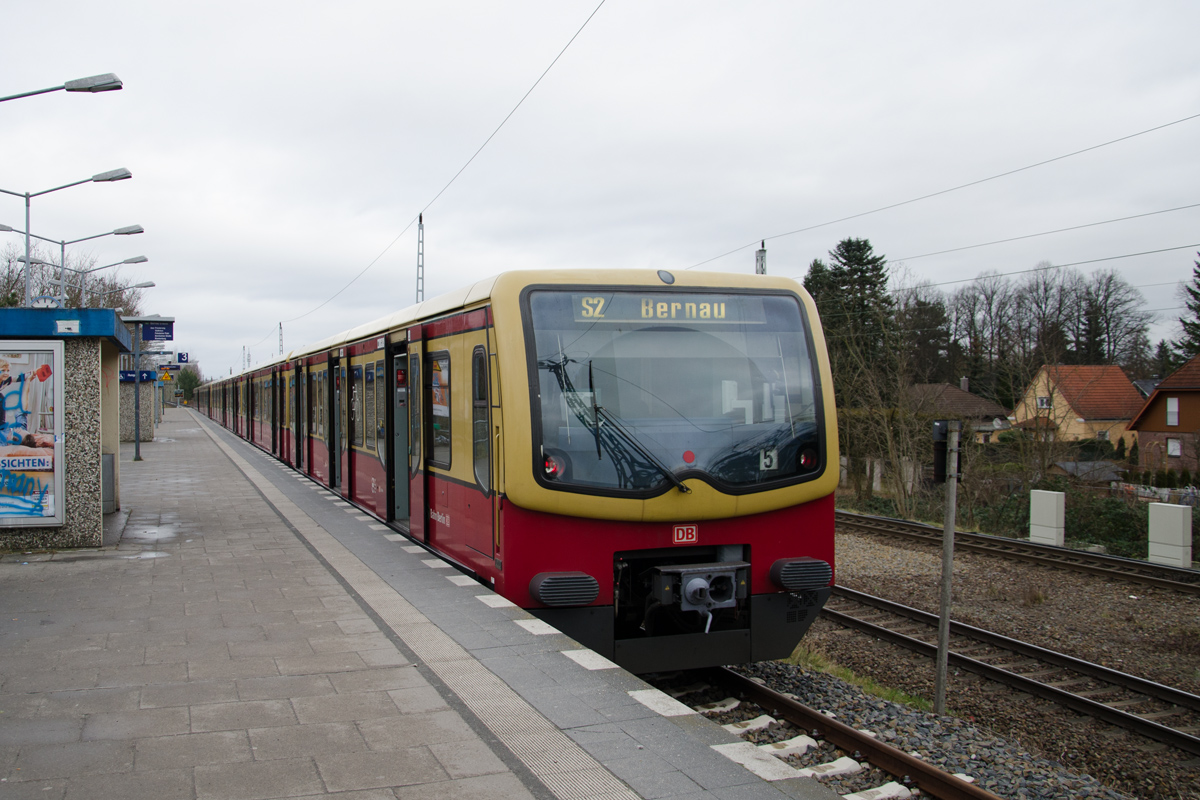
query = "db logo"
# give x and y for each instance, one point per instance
(686, 534)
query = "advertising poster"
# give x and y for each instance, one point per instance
(31, 469)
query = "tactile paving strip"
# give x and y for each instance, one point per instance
(558, 762)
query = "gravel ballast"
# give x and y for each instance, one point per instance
(1152, 633)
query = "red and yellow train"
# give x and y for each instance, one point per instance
(645, 460)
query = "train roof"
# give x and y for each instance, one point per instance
(482, 290)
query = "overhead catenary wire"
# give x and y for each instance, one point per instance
(946, 191)
(449, 183)
(1045, 233)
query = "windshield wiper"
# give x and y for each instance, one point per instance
(595, 412)
(629, 437)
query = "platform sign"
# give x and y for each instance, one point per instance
(31, 428)
(158, 331)
(182, 358)
(129, 375)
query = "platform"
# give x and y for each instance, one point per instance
(252, 635)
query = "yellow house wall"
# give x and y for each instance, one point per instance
(1068, 424)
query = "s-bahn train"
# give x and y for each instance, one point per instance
(645, 460)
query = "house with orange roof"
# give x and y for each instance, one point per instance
(1077, 402)
(982, 419)
(1168, 426)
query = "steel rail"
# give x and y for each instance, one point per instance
(1091, 708)
(1181, 579)
(927, 777)
(1158, 691)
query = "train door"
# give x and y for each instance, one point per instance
(345, 432)
(418, 515)
(483, 531)
(398, 458)
(333, 422)
(299, 416)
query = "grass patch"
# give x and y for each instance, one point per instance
(817, 662)
(1032, 596)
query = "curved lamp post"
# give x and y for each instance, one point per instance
(101, 177)
(128, 230)
(83, 275)
(96, 83)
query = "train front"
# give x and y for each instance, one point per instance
(670, 503)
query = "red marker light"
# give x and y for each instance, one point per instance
(808, 459)
(689, 456)
(553, 467)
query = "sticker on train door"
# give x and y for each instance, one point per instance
(686, 534)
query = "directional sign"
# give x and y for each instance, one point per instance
(158, 331)
(129, 376)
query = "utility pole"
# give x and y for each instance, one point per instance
(281, 338)
(760, 259)
(945, 467)
(420, 257)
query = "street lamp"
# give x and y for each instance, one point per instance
(102, 177)
(96, 83)
(128, 230)
(142, 285)
(83, 275)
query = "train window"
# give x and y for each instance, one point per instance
(319, 405)
(380, 408)
(368, 428)
(414, 414)
(356, 405)
(479, 418)
(437, 386)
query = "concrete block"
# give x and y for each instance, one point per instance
(1170, 535)
(1043, 534)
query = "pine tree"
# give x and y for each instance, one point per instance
(1188, 343)
(1165, 360)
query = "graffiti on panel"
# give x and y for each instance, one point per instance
(27, 434)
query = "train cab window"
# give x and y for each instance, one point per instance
(368, 426)
(437, 387)
(479, 418)
(636, 390)
(380, 407)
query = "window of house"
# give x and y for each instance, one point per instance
(1174, 448)
(1102, 435)
(1172, 410)
(1044, 402)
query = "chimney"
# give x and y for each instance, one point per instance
(963, 383)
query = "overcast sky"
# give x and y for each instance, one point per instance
(279, 149)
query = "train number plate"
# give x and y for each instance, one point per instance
(686, 534)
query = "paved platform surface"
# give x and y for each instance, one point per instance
(251, 635)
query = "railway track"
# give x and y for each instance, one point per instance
(1149, 709)
(809, 743)
(1113, 567)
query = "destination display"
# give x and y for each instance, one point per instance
(642, 308)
